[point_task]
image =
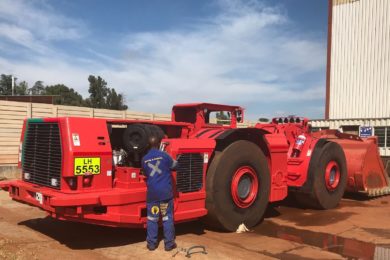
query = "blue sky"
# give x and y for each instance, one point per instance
(267, 55)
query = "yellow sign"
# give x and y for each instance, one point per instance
(154, 210)
(90, 165)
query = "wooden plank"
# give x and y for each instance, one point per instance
(42, 110)
(10, 143)
(7, 130)
(11, 108)
(162, 117)
(13, 117)
(61, 111)
(41, 115)
(9, 161)
(9, 112)
(107, 111)
(4, 139)
(8, 137)
(73, 108)
(13, 103)
(9, 156)
(4, 122)
(101, 114)
(72, 115)
(107, 116)
(9, 148)
(14, 152)
(13, 126)
(40, 105)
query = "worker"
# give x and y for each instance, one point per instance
(157, 166)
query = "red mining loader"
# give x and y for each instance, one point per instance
(88, 169)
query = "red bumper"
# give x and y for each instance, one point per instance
(113, 207)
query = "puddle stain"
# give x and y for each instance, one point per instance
(385, 233)
(349, 248)
(317, 218)
(307, 217)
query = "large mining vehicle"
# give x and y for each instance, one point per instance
(88, 169)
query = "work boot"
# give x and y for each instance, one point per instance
(170, 248)
(151, 247)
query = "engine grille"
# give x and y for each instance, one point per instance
(189, 170)
(42, 154)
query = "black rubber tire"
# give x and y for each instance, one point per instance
(136, 135)
(319, 196)
(156, 131)
(223, 213)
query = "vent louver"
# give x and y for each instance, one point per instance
(189, 170)
(42, 154)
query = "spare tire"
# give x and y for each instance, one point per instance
(156, 131)
(136, 138)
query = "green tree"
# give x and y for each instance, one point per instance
(64, 95)
(5, 84)
(98, 92)
(114, 100)
(21, 89)
(37, 89)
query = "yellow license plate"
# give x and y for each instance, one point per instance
(90, 165)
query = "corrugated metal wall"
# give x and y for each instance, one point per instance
(359, 83)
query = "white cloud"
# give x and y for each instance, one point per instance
(40, 19)
(248, 54)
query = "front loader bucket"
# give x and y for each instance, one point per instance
(366, 173)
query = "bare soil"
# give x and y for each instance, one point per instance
(358, 228)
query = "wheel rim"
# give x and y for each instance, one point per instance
(332, 175)
(245, 186)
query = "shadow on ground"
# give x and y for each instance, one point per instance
(86, 236)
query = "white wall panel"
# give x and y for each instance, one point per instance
(360, 56)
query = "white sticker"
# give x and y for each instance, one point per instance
(308, 153)
(39, 197)
(206, 158)
(133, 175)
(76, 139)
(109, 173)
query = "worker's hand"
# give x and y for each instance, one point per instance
(174, 165)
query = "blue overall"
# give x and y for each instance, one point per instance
(157, 167)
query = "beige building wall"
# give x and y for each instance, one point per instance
(358, 59)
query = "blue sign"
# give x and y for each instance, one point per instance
(365, 131)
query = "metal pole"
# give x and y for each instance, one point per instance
(13, 84)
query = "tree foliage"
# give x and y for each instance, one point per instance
(97, 92)
(5, 84)
(21, 89)
(64, 95)
(37, 89)
(100, 95)
(115, 101)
